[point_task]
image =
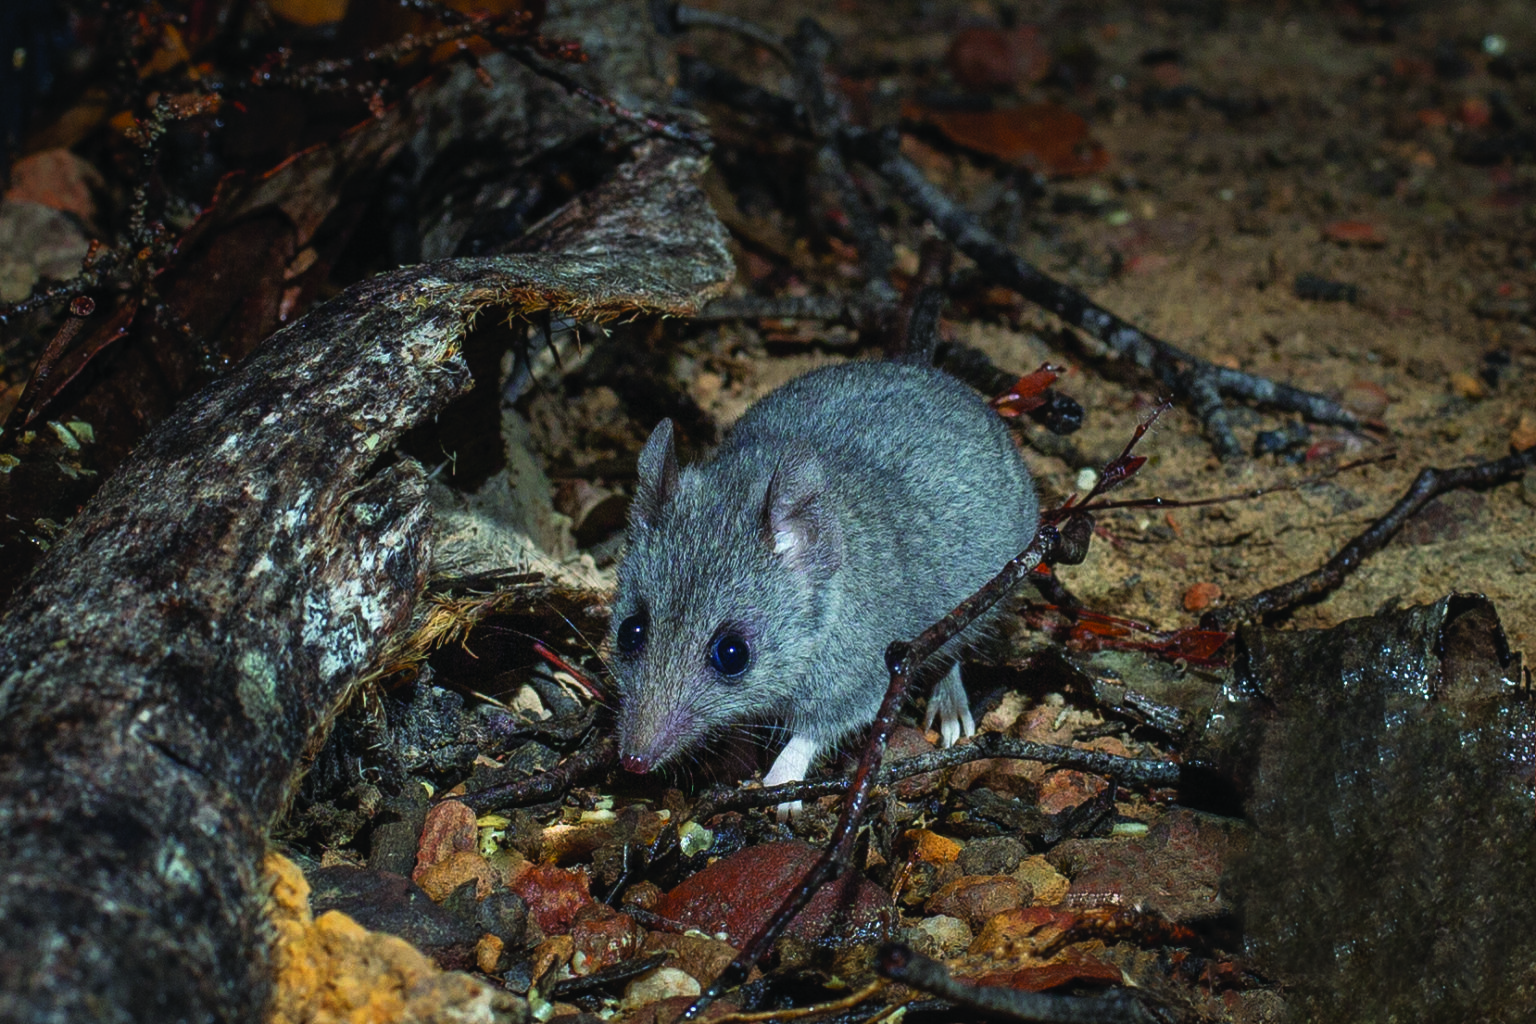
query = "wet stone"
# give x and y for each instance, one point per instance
(603, 937)
(941, 936)
(978, 898)
(463, 867)
(393, 847)
(995, 855)
(662, 983)
(554, 896)
(503, 914)
(394, 904)
(701, 956)
(1175, 868)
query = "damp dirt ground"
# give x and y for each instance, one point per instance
(1306, 141)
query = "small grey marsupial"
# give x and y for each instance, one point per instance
(852, 507)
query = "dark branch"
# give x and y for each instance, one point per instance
(1430, 484)
(1192, 378)
(899, 963)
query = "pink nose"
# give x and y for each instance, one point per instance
(637, 764)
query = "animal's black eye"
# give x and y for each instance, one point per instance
(729, 654)
(631, 638)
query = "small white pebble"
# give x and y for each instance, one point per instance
(950, 933)
(527, 702)
(695, 839)
(67, 439)
(662, 983)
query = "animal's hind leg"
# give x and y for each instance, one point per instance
(952, 708)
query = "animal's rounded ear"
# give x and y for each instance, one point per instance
(658, 478)
(798, 523)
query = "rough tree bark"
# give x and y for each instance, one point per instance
(193, 631)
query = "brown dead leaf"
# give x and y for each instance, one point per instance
(56, 178)
(1045, 136)
(1354, 232)
(996, 60)
(309, 12)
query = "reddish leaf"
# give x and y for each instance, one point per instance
(1072, 966)
(1092, 631)
(1028, 392)
(1353, 232)
(738, 894)
(1044, 136)
(996, 60)
(56, 178)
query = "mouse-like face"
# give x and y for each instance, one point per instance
(721, 596)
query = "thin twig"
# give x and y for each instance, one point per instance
(1430, 484)
(645, 122)
(1126, 770)
(1199, 382)
(674, 19)
(847, 1002)
(566, 988)
(812, 48)
(79, 310)
(586, 763)
(900, 963)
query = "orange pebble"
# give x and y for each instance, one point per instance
(1199, 596)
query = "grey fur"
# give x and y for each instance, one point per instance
(892, 492)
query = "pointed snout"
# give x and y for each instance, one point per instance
(648, 740)
(637, 764)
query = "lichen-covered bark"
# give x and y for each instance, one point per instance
(190, 635)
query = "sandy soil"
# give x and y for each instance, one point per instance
(1197, 230)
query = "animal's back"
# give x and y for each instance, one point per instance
(935, 496)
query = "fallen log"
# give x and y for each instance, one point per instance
(191, 634)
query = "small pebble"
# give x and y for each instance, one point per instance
(932, 848)
(1464, 385)
(488, 953)
(950, 934)
(1523, 437)
(1199, 597)
(662, 983)
(1366, 398)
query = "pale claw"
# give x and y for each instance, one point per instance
(952, 708)
(791, 766)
